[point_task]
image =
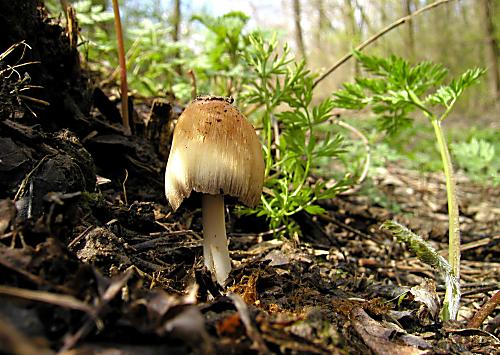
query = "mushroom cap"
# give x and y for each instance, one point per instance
(215, 150)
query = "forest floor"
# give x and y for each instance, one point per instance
(93, 260)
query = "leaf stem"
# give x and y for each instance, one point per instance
(448, 110)
(420, 105)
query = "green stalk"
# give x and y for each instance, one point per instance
(451, 301)
(454, 227)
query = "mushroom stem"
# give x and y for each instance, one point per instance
(215, 243)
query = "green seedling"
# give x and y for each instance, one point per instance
(393, 89)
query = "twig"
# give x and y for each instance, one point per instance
(79, 237)
(13, 69)
(269, 232)
(9, 50)
(377, 36)
(484, 311)
(113, 289)
(123, 68)
(65, 301)
(64, 6)
(124, 187)
(481, 290)
(153, 243)
(37, 101)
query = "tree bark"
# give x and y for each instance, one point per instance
(299, 38)
(491, 47)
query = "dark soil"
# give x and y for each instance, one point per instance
(93, 260)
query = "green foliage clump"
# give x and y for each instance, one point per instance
(157, 65)
(161, 65)
(153, 61)
(225, 40)
(221, 67)
(477, 157)
(97, 38)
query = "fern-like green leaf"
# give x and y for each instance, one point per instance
(447, 94)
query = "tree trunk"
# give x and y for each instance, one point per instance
(352, 30)
(491, 48)
(176, 20)
(410, 45)
(299, 39)
(322, 25)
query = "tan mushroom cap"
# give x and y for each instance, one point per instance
(215, 150)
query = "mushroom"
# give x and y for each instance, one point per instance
(215, 151)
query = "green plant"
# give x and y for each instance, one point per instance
(222, 63)
(153, 62)
(293, 141)
(96, 23)
(477, 158)
(393, 90)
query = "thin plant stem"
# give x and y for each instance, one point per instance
(453, 215)
(452, 295)
(376, 36)
(123, 68)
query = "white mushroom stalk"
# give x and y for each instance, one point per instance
(215, 151)
(215, 243)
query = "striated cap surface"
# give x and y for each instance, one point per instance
(215, 150)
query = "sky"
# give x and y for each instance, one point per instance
(261, 11)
